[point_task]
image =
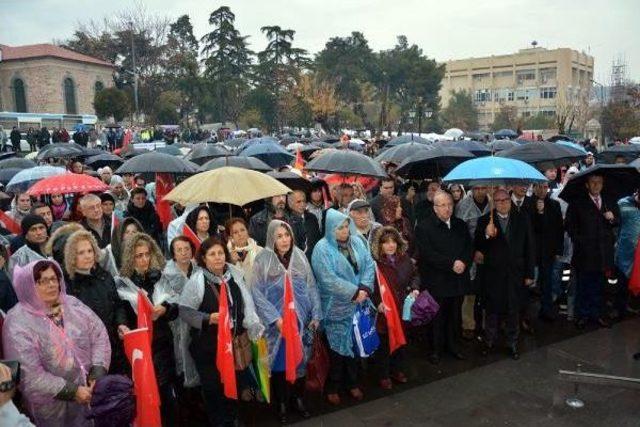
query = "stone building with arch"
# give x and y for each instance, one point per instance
(45, 78)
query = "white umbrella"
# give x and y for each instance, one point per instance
(454, 133)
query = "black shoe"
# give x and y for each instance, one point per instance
(581, 323)
(282, 413)
(434, 358)
(486, 349)
(603, 323)
(458, 355)
(298, 406)
(513, 352)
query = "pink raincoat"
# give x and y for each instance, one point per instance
(51, 356)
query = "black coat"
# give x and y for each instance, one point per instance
(438, 247)
(548, 230)
(147, 217)
(15, 136)
(528, 206)
(592, 235)
(509, 258)
(105, 239)
(162, 343)
(8, 296)
(312, 232)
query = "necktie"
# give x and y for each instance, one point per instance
(598, 203)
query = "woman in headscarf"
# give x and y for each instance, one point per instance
(62, 346)
(456, 191)
(201, 222)
(344, 271)
(389, 251)
(95, 287)
(279, 259)
(199, 310)
(142, 264)
(60, 208)
(391, 213)
(242, 248)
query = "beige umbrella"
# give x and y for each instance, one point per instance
(228, 184)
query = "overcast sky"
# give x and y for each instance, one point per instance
(451, 29)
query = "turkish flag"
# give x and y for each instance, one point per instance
(115, 223)
(9, 223)
(290, 332)
(394, 325)
(145, 313)
(137, 346)
(191, 235)
(224, 351)
(299, 164)
(634, 278)
(164, 184)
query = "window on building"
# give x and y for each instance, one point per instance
(19, 96)
(548, 113)
(482, 95)
(525, 75)
(70, 96)
(548, 92)
(547, 74)
(98, 86)
(510, 96)
(503, 73)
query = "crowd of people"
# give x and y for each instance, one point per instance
(481, 253)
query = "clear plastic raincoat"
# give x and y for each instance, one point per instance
(267, 288)
(338, 282)
(53, 359)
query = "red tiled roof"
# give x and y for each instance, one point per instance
(16, 53)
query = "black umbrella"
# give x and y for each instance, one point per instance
(401, 152)
(17, 162)
(543, 155)
(505, 133)
(346, 162)
(234, 142)
(90, 152)
(627, 152)
(7, 155)
(320, 144)
(202, 153)
(60, 150)
(7, 173)
(330, 139)
(502, 144)
(291, 180)
(561, 137)
(619, 181)
(433, 163)
(405, 139)
(239, 162)
(104, 159)
(157, 162)
(476, 148)
(172, 150)
(270, 153)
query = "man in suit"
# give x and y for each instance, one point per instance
(504, 243)
(445, 251)
(548, 231)
(590, 222)
(297, 201)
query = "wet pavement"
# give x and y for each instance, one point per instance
(498, 391)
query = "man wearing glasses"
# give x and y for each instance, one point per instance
(504, 243)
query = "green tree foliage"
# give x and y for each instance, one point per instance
(460, 112)
(166, 108)
(112, 102)
(227, 60)
(539, 121)
(507, 118)
(621, 120)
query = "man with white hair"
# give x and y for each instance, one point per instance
(94, 219)
(105, 174)
(119, 193)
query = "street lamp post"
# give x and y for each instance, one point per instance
(602, 141)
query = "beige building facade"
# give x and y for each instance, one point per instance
(535, 81)
(50, 79)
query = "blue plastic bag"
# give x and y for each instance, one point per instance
(365, 335)
(406, 308)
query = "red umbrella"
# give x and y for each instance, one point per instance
(368, 183)
(66, 184)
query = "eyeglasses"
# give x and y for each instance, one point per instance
(45, 281)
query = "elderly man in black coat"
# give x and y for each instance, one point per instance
(590, 222)
(445, 251)
(548, 231)
(276, 208)
(504, 243)
(297, 201)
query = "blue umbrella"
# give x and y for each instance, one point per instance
(27, 177)
(272, 154)
(571, 144)
(493, 171)
(255, 141)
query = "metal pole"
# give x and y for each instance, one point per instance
(135, 72)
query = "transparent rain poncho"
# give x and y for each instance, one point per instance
(52, 356)
(267, 288)
(190, 317)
